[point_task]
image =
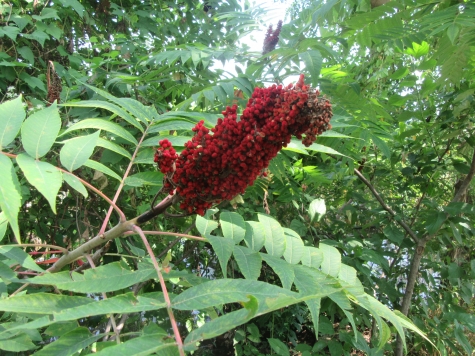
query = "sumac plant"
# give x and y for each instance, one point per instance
(66, 295)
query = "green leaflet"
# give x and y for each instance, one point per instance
(40, 130)
(331, 260)
(107, 278)
(205, 225)
(275, 239)
(145, 178)
(102, 124)
(43, 176)
(249, 262)
(223, 291)
(233, 226)
(70, 343)
(75, 183)
(223, 247)
(294, 247)
(255, 235)
(143, 345)
(108, 106)
(77, 151)
(12, 113)
(101, 168)
(10, 198)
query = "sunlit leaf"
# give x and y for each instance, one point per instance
(77, 151)
(10, 198)
(40, 130)
(12, 114)
(43, 176)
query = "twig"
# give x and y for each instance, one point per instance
(164, 290)
(466, 182)
(122, 183)
(62, 249)
(98, 192)
(386, 207)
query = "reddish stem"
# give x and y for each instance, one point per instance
(121, 185)
(164, 289)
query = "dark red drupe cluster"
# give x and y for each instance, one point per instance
(271, 39)
(220, 164)
(165, 156)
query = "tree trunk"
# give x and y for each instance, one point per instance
(411, 282)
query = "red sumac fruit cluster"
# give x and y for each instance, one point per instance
(220, 163)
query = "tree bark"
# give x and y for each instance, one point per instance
(411, 282)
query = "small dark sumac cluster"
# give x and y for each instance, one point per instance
(54, 85)
(220, 163)
(271, 39)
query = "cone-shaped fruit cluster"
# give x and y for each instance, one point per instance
(220, 164)
(271, 39)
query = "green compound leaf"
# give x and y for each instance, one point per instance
(314, 308)
(233, 226)
(249, 262)
(77, 151)
(43, 176)
(10, 198)
(40, 130)
(12, 114)
(70, 343)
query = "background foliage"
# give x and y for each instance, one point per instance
(376, 216)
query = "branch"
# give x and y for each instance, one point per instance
(386, 207)
(466, 182)
(98, 240)
(156, 210)
(118, 230)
